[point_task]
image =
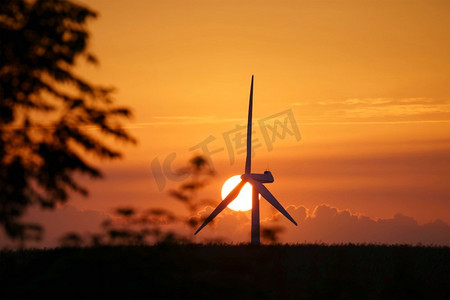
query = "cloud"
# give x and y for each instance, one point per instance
(380, 102)
(396, 110)
(385, 110)
(370, 101)
(330, 225)
(324, 224)
(327, 224)
(184, 120)
(229, 225)
(300, 103)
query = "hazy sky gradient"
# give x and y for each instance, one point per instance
(367, 82)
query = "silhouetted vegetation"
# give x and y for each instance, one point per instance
(46, 109)
(131, 227)
(187, 192)
(271, 234)
(71, 239)
(171, 271)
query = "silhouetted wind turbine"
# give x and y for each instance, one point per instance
(256, 180)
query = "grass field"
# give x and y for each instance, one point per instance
(229, 272)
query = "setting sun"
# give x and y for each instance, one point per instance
(243, 201)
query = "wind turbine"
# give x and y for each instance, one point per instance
(256, 180)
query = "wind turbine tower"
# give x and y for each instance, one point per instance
(256, 180)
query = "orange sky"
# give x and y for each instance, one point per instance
(367, 83)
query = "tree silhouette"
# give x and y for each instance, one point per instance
(128, 226)
(47, 112)
(271, 234)
(200, 174)
(71, 239)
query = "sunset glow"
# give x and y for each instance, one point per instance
(243, 202)
(366, 83)
(121, 121)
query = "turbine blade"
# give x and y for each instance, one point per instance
(230, 197)
(248, 159)
(271, 199)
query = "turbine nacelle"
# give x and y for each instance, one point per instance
(266, 177)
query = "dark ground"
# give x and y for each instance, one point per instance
(228, 272)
